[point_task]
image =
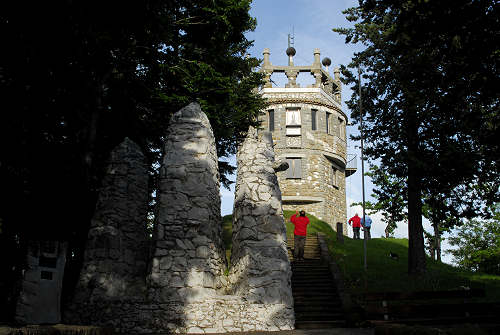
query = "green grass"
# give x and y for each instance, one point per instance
(384, 273)
(227, 235)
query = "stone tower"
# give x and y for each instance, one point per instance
(308, 129)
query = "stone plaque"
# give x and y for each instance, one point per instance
(294, 141)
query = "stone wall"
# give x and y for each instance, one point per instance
(219, 314)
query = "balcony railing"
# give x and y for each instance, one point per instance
(351, 166)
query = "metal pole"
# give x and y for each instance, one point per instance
(362, 165)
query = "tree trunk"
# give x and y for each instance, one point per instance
(416, 249)
(91, 131)
(437, 242)
(416, 245)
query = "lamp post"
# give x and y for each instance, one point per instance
(362, 166)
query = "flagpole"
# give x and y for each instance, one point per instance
(362, 166)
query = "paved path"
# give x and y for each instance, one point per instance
(330, 331)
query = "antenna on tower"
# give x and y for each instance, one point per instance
(291, 38)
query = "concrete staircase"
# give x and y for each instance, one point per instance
(316, 301)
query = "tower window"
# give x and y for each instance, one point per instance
(293, 121)
(341, 129)
(313, 119)
(328, 118)
(293, 117)
(271, 119)
(294, 168)
(334, 177)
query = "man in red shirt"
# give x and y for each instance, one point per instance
(300, 233)
(356, 225)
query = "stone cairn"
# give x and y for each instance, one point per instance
(189, 258)
(187, 289)
(260, 270)
(114, 265)
(189, 255)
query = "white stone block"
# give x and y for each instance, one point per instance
(195, 330)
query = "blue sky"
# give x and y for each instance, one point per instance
(312, 22)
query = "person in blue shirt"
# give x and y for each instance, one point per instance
(366, 223)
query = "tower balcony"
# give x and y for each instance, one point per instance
(352, 165)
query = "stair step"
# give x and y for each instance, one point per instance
(320, 278)
(311, 275)
(309, 258)
(305, 297)
(310, 297)
(313, 282)
(301, 306)
(308, 252)
(315, 316)
(316, 285)
(310, 262)
(324, 298)
(334, 308)
(290, 244)
(306, 249)
(318, 289)
(319, 324)
(308, 245)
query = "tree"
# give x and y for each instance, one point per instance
(430, 68)
(478, 245)
(442, 218)
(79, 76)
(390, 199)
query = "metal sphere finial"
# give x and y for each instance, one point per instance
(290, 51)
(326, 61)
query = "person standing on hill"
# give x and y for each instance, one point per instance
(356, 225)
(300, 233)
(367, 224)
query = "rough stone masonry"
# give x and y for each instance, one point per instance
(189, 258)
(187, 290)
(260, 268)
(116, 252)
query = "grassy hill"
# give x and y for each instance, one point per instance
(385, 273)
